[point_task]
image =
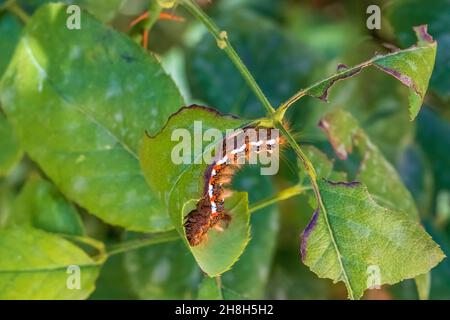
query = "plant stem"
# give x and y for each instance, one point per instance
(140, 243)
(14, 8)
(282, 195)
(225, 45)
(101, 255)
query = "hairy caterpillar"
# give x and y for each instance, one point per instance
(236, 150)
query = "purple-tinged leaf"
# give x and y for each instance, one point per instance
(412, 67)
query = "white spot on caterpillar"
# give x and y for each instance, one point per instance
(213, 207)
(223, 160)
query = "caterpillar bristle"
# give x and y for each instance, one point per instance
(227, 193)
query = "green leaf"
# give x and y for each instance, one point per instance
(162, 271)
(113, 282)
(34, 265)
(40, 205)
(210, 289)
(10, 151)
(182, 185)
(223, 248)
(355, 235)
(412, 67)
(403, 14)
(379, 176)
(81, 109)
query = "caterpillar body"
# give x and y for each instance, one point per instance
(236, 150)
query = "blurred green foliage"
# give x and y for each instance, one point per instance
(287, 45)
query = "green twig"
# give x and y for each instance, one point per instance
(224, 44)
(282, 195)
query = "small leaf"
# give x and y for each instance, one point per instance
(182, 185)
(412, 67)
(34, 264)
(355, 236)
(40, 205)
(81, 109)
(10, 151)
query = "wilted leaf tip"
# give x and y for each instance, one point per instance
(423, 37)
